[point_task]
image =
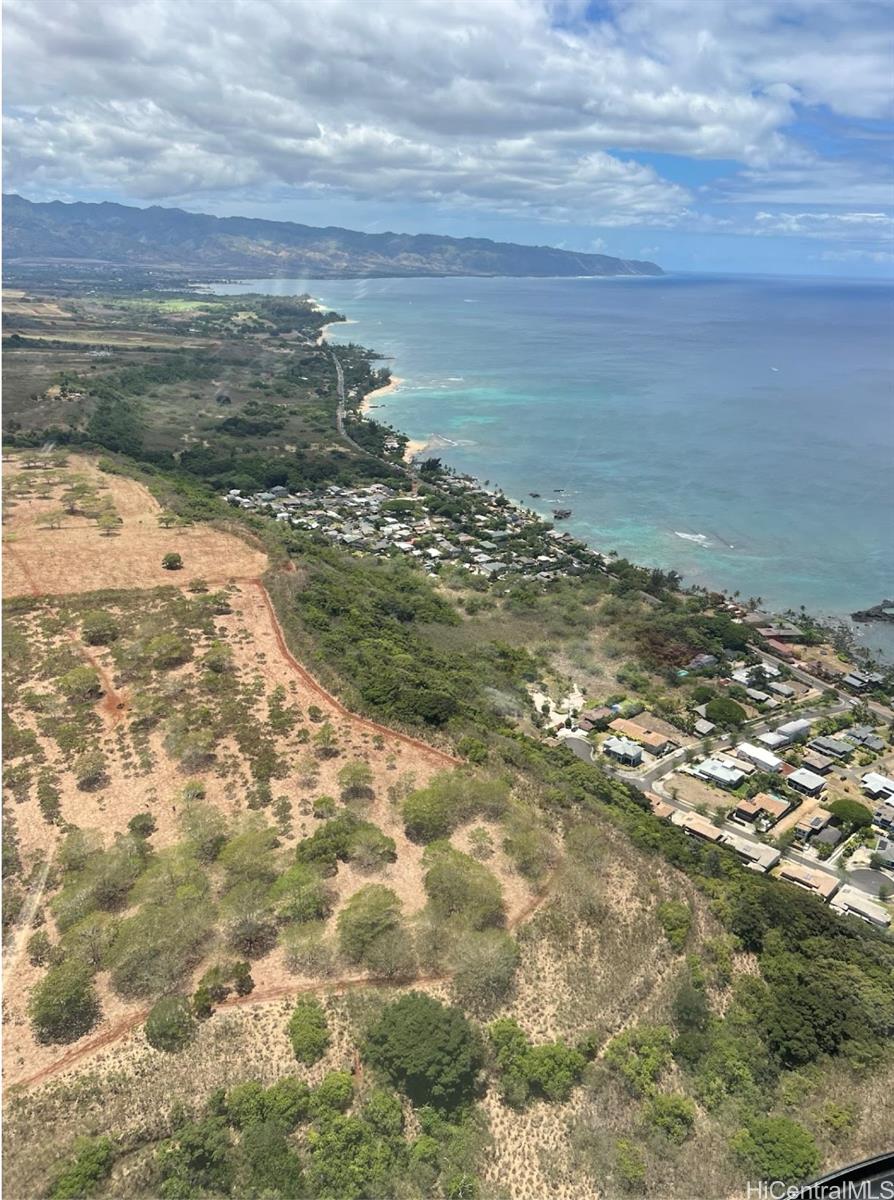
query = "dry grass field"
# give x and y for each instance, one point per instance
(77, 556)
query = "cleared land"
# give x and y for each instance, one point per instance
(77, 556)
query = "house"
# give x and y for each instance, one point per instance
(812, 824)
(660, 807)
(806, 782)
(780, 649)
(763, 810)
(884, 815)
(715, 771)
(623, 750)
(759, 857)
(832, 747)
(703, 727)
(795, 730)
(817, 763)
(855, 681)
(699, 826)
(783, 631)
(782, 689)
(879, 787)
(851, 902)
(865, 735)
(773, 741)
(758, 755)
(830, 836)
(656, 743)
(756, 696)
(884, 850)
(819, 882)
(701, 661)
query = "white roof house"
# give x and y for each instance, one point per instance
(759, 755)
(852, 901)
(806, 781)
(794, 729)
(720, 773)
(758, 856)
(879, 787)
(773, 741)
(623, 749)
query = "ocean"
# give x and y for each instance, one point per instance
(737, 429)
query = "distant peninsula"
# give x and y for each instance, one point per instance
(172, 240)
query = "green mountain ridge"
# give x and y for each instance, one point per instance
(172, 239)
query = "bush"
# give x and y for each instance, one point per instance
(168, 650)
(170, 1025)
(775, 1148)
(91, 1164)
(288, 1102)
(672, 1116)
(724, 711)
(172, 562)
(641, 1055)
(550, 1070)
(81, 683)
(675, 918)
(370, 913)
(483, 967)
(449, 801)
(300, 894)
(246, 1104)
(334, 1094)
(460, 888)
(64, 1005)
(39, 948)
(308, 1031)
(142, 825)
(630, 1165)
(99, 628)
(427, 1049)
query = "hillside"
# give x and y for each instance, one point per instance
(171, 239)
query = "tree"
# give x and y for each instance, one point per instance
(308, 1031)
(670, 1115)
(300, 894)
(142, 825)
(170, 1025)
(325, 741)
(776, 1148)
(107, 523)
(205, 829)
(99, 628)
(427, 1049)
(371, 912)
(196, 1160)
(459, 887)
(172, 561)
(90, 770)
(89, 1166)
(355, 780)
(64, 1005)
(675, 918)
(641, 1055)
(267, 1165)
(724, 711)
(81, 683)
(168, 650)
(851, 813)
(167, 519)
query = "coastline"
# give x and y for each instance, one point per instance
(392, 386)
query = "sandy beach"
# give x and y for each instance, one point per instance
(392, 386)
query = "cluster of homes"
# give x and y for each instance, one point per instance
(375, 519)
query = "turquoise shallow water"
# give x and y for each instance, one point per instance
(740, 430)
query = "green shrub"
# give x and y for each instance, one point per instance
(672, 1116)
(427, 1049)
(89, 1166)
(723, 710)
(460, 888)
(168, 650)
(170, 1025)
(371, 912)
(641, 1055)
(64, 1005)
(300, 894)
(172, 562)
(675, 918)
(99, 628)
(308, 1031)
(333, 1094)
(81, 683)
(630, 1165)
(775, 1148)
(449, 801)
(247, 1104)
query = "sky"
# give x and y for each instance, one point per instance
(708, 135)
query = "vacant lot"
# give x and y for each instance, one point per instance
(77, 556)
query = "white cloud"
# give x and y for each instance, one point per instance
(521, 108)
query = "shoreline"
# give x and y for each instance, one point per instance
(393, 384)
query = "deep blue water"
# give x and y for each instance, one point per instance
(740, 430)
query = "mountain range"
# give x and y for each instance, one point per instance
(171, 239)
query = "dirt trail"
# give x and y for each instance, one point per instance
(15, 948)
(315, 686)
